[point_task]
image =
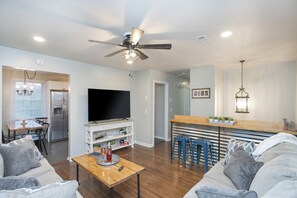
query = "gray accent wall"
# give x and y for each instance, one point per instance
(159, 110)
(142, 87)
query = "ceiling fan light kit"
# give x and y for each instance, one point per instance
(131, 45)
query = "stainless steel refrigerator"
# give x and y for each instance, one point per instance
(59, 115)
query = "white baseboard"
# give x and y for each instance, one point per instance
(144, 144)
(162, 138)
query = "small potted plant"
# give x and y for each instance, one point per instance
(231, 120)
(216, 119)
(226, 119)
(210, 118)
(221, 119)
(123, 131)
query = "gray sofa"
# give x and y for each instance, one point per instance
(276, 178)
(50, 183)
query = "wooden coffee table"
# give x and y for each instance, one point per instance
(111, 176)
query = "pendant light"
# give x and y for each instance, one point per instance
(25, 91)
(241, 97)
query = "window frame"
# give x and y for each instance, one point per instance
(14, 94)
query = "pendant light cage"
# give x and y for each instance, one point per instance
(241, 97)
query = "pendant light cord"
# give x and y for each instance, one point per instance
(242, 61)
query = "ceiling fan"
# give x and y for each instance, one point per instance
(131, 45)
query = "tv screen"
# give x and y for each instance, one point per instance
(108, 104)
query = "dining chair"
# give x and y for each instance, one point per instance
(41, 120)
(4, 138)
(40, 137)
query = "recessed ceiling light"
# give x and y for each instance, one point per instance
(38, 39)
(226, 34)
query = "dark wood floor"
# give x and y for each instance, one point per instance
(57, 151)
(160, 179)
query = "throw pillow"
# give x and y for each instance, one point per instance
(234, 144)
(241, 169)
(66, 189)
(209, 192)
(18, 159)
(15, 182)
(28, 140)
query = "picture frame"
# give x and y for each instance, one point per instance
(200, 93)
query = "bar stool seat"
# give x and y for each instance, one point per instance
(205, 144)
(182, 147)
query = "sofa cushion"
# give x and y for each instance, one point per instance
(18, 159)
(234, 144)
(279, 149)
(283, 167)
(215, 178)
(273, 141)
(209, 192)
(36, 172)
(286, 188)
(241, 169)
(48, 178)
(1, 166)
(15, 182)
(65, 189)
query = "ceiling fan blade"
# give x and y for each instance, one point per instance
(141, 55)
(135, 35)
(155, 46)
(103, 42)
(114, 53)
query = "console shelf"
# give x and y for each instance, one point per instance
(118, 133)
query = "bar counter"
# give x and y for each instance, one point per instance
(220, 134)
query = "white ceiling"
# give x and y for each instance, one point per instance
(264, 31)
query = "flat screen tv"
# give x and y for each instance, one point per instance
(106, 104)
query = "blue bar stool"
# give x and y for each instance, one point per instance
(182, 147)
(205, 144)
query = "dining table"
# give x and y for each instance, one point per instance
(22, 126)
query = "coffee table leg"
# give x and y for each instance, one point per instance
(138, 186)
(77, 173)
(111, 193)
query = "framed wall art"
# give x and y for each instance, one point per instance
(201, 93)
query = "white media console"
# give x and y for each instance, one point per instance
(118, 133)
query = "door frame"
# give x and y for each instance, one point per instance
(166, 102)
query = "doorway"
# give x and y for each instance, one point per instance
(15, 106)
(160, 115)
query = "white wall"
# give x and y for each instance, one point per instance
(82, 77)
(203, 77)
(219, 108)
(272, 90)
